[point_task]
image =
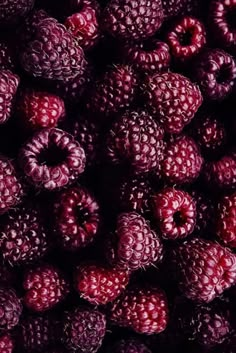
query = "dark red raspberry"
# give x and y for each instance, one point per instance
(226, 220)
(7, 59)
(77, 218)
(52, 159)
(182, 162)
(174, 8)
(149, 56)
(215, 72)
(6, 344)
(45, 286)
(136, 140)
(204, 269)
(132, 19)
(143, 310)
(84, 330)
(114, 91)
(100, 284)
(175, 212)
(172, 99)
(129, 346)
(10, 309)
(8, 86)
(187, 38)
(12, 11)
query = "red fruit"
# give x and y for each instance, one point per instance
(129, 346)
(8, 86)
(226, 220)
(10, 309)
(172, 99)
(12, 11)
(6, 344)
(100, 284)
(175, 211)
(45, 287)
(174, 8)
(29, 27)
(204, 269)
(143, 310)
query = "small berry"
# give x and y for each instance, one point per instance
(179, 8)
(129, 346)
(6, 344)
(10, 309)
(226, 220)
(11, 11)
(8, 86)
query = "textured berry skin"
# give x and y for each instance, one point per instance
(175, 212)
(52, 159)
(6, 344)
(100, 284)
(12, 11)
(172, 99)
(7, 61)
(132, 19)
(52, 59)
(76, 218)
(187, 38)
(182, 162)
(130, 346)
(226, 220)
(37, 110)
(204, 269)
(114, 91)
(8, 86)
(215, 72)
(205, 212)
(134, 245)
(45, 287)
(84, 330)
(22, 236)
(174, 8)
(143, 310)
(29, 27)
(10, 309)
(136, 139)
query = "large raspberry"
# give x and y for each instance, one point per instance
(129, 346)
(226, 220)
(12, 11)
(8, 87)
(6, 344)
(10, 309)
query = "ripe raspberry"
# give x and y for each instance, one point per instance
(12, 11)
(48, 58)
(129, 346)
(226, 220)
(215, 72)
(187, 38)
(175, 211)
(114, 91)
(37, 110)
(172, 99)
(8, 86)
(84, 330)
(10, 309)
(6, 344)
(7, 59)
(134, 245)
(143, 310)
(100, 284)
(182, 162)
(204, 269)
(77, 218)
(136, 139)
(149, 56)
(129, 19)
(52, 159)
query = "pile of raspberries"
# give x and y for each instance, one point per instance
(118, 176)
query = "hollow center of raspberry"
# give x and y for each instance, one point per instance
(224, 74)
(81, 214)
(231, 19)
(52, 156)
(149, 46)
(185, 38)
(179, 218)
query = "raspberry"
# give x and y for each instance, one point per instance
(226, 220)
(12, 11)
(129, 346)
(182, 162)
(187, 38)
(215, 72)
(8, 86)
(84, 330)
(100, 284)
(6, 344)
(175, 211)
(132, 19)
(174, 8)
(52, 159)
(7, 59)
(137, 140)
(172, 99)
(10, 309)
(204, 269)
(143, 310)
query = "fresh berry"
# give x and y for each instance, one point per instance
(175, 212)
(182, 162)
(142, 310)
(7, 59)
(12, 11)
(100, 284)
(187, 38)
(204, 269)
(84, 330)
(52, 159)
(226, 220)
(172, 99)
(10, 309)
(6, 344)
(215, 72)
(136, 139)
(129, 19)
(77, 218)
(8, 86)
(129, 346)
